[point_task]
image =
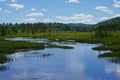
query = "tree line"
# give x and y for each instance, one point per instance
(9, 28)
(100, 28)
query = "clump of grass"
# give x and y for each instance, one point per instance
(110, 54)
(101, 48)
(3, 59)
(115, 47)
(11, 46)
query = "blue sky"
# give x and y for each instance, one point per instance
(66, 11)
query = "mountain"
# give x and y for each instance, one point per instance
(80, 27)
(78, 24)
(109, 25)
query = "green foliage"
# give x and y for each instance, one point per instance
(101, 48)
(11, 46)
(3, 59)
(109, 25)
(2, 31)
(110, 54)
(102, 34)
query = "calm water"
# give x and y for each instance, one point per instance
(80, 63)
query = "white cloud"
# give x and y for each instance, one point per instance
(104, 18)
(73, 1)
(33, 9)
(31, 20)
(103, 9)
(44, 9)
(117, 15)
(116, 3)
(16, 6)
(77, 18)
(47, 20)
(2, 0)
(13, 0)
(35, 14)
(0, 9)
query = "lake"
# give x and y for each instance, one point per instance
(79, 63)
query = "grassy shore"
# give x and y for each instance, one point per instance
(3, 59)
(112, 42)
(11, 46)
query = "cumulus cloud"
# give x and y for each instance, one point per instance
(33, 9)
(44, 9)
(77, 18)
(0, 9)
(2, 0)
(34, 14)
(13, 0)
(73, 1)
(104, 18)
(31, 20)
(16, 6)
(104, 9)
(47, 20)
(117, 15)
(116, 3)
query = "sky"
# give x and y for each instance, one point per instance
(63, 11)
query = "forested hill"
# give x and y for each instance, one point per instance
(109, 25)
(81, 27)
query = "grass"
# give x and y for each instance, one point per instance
(112, 41)
(100, 48)
(110, 54)
(62, 36)
(3, 59)
(11, 46)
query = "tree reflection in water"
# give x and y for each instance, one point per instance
(115, 60)
(3, 67)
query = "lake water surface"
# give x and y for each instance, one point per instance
(80, 63)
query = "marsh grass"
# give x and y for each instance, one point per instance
(112, 41)
(110, 54)
(11, 46)
(100, 48)
(3, 58)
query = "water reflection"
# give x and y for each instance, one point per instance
(3, 67)
(115, 60)
(42, 40)
(113, 69)
(80, 63)
(28, 54)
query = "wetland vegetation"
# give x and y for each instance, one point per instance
(106, 33)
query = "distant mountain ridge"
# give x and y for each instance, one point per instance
(78, 24)
(112, 24)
